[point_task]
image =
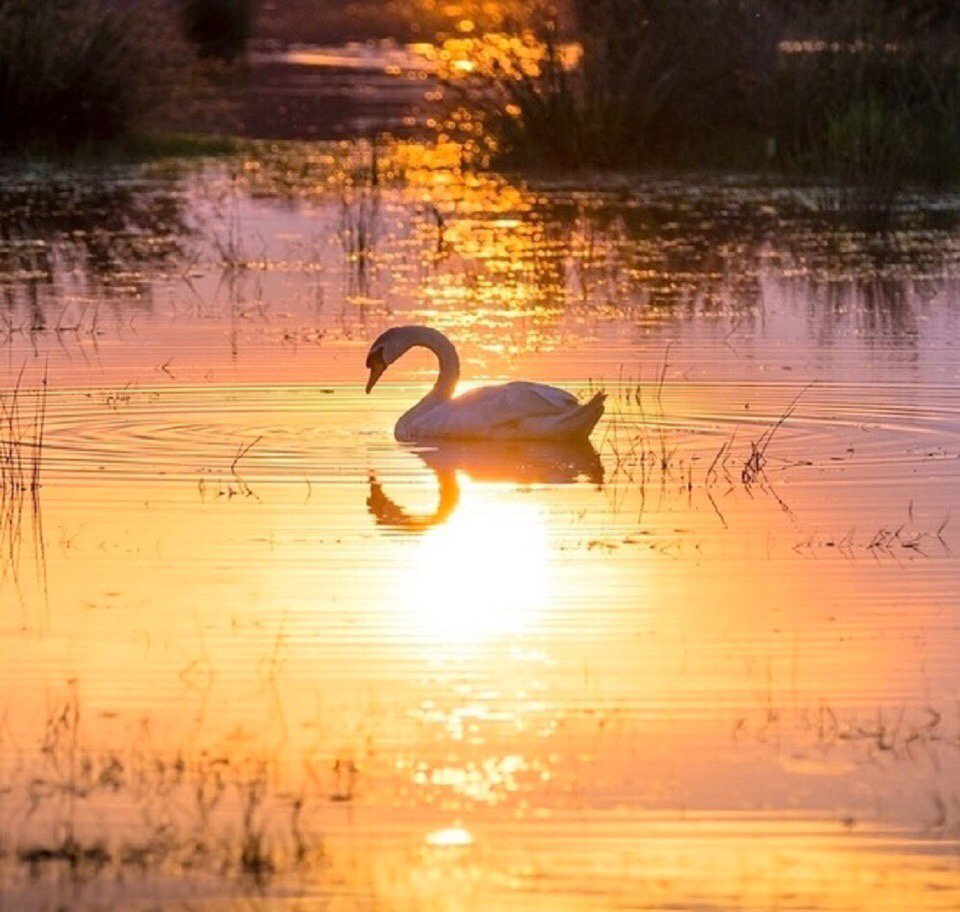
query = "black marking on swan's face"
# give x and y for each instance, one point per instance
(377, 364)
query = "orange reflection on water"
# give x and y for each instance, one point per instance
(530, 649)
(485, 572)
(587, 669)
(496, 55)
(450, 837)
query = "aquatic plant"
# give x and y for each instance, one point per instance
(208, 810)
(646, 81)
(22, 421)
(361, 222)
(866, 96)
(21, 448)
(358, 231)
(80, 71)
(869, 98)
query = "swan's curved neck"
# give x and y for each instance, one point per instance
(446, 383)
(446, 354)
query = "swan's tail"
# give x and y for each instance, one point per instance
(579, 422)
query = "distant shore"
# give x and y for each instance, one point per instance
(331, 92)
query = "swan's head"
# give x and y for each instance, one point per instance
(385, 350)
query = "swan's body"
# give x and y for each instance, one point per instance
(510, 411)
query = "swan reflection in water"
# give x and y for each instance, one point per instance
(486, 570)
(518, 463)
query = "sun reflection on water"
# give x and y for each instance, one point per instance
(450, 837)
(483, 574)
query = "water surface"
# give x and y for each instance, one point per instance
(253, 647)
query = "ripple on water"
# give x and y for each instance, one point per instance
(292, 431)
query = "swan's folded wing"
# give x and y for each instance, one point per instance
(490, 407)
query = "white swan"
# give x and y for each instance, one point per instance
(511, 411)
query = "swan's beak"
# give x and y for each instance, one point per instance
(376, 372)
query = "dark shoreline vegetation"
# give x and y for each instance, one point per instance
(93, 75)
(866, 94)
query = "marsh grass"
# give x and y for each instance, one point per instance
(870, 97)
(237, 485)
(23, 415)
(361, 222)
(894, 541)
(204, 811)
(634, 83)
(648, 461)
(255, 857)
(21, 448)
(884, 737)
(231, 241)
(359, 231)
(646, 457)
(87, 71)
(865, 97)
(756, 462)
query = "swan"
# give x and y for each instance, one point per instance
(510, 411)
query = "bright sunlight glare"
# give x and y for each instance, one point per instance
(483, 574)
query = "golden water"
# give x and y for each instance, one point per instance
(258, 652)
